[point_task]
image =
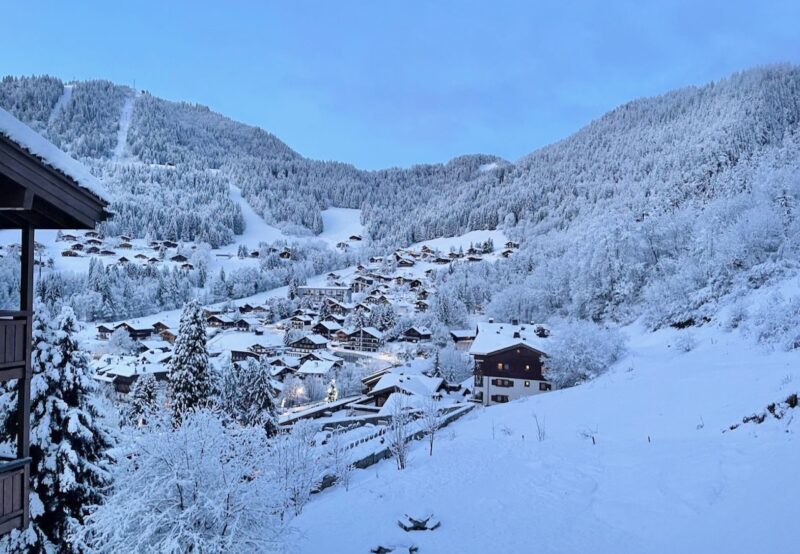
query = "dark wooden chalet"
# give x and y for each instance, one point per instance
(416, 334)
(137, 333)
(242, 355)
(104, 331)
(179, 258)
(40, 188)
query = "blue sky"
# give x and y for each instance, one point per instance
(389, 83)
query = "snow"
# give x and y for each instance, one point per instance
(35, 144)
(124, 127)
(662, 477)
(487, 167)
(62, 101)
(316, 367)
(446, 243)
(499, 336)
(338, 224)
(255, 228)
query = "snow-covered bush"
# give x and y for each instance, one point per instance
(581, 350)
(297, 465)
(776, 322)
(455, 365)
(120, 342)
(685, 341)
(201, 487)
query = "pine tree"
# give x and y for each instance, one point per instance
(189, 378)
(333, 393)
(247, 395)
(69, 442)
(144, 400)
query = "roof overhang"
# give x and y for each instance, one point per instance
(34, 194)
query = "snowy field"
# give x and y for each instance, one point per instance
(662, 477)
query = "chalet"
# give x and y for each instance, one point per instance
(123, 377)
(187, 267)
(91, 234)
(392, 383)
(285, 254)
(168, 336)
(326, 328)
(125, 238)
(70, 238)
(242, 355)
(169, 244)
(154, 244)
(300, 321)
(220, 321)
(180, 258)
(107, 253)
(511, 244)
(322, 355)
(317, 368)
(417, 334)
(308, 343)
(92, 250)
(336, 307)
(365, 339)
(137, 333)
(375, 259)
(509, 361)
(426, 249)
(70, 254)
(342, 246)
(208, 312)
(122, 260)
(463, 338)
(254, 253)
(40, 188)
(125, 245)
(160, 326)
(104, 332)
(338, 318)
(355, 237)
(77, 246)
(244, 323)
(263, 349)
(441, 260)
(318, 294)
(153, 261)
(422, 295)
(405, 262)
(361, 283)
(506, 253)
(474, 258)
(140, 256)
(421, 306)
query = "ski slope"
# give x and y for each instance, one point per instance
(661, 478)
(124, 127)
(339, 224)
(60, 103)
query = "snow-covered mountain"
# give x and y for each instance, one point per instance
(645, 157)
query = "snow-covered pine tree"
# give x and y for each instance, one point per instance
(189, 378)
(333, 393)
(248, 395)
(69, 442)
(144, 400)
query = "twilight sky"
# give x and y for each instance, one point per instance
(393, 83)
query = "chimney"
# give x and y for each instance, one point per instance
(491, 320)
(514, 321)
(516, 334)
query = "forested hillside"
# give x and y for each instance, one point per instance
(676, 200)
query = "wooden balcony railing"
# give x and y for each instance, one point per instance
(13, 339)
(14, 478)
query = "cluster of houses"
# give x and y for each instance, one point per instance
(91, 243)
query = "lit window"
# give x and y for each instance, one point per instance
(499, 365)
(527, 383)
(527, 367)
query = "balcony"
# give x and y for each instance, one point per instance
(13, 493)
(13, 344)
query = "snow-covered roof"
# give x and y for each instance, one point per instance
(500, 336)
(35, 144)
(316, 367)
(330, 325)
(461, 333)
(368, 331)
(314, 339)
(420, 385)
(420, 330)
